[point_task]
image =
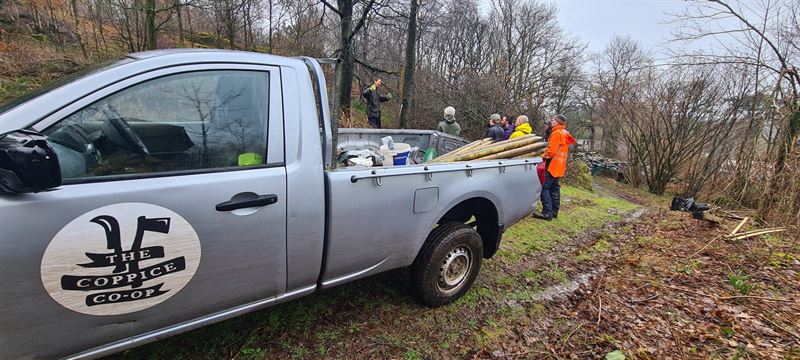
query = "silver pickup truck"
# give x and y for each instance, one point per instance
(173, 189)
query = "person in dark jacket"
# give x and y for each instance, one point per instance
(508, 127)
(374, 100)
(494, 131)
(548, 128)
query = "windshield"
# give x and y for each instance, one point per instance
(61, 81)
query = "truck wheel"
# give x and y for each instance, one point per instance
(447, 264)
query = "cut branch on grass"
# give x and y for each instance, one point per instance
(704, 246)
(600, 309)
(726, 297)
(678, 342)
(649, 298)
(566, 341)
(687, 291)
(753, 297)
(519, 278)
(797, 337)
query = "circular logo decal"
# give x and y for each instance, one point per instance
(120, 258)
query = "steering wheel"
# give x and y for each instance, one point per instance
(121, 134)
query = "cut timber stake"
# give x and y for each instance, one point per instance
(530, 154)
(730, 215)
(524, 146)
(739, 227)
(750, 234)
(514, 152)
(496, 148)
(469, 147)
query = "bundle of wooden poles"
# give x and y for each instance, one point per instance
(519, 148)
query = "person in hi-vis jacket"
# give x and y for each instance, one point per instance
(555, 160)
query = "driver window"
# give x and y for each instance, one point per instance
(189, 121)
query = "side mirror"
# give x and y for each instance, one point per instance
(27, 163)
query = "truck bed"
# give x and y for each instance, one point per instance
(352, 139)
(381, 216)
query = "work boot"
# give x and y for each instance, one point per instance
(555, 216)
(537, 215)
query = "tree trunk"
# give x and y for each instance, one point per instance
(230, 24)
(217, 24)
(94, 15)
(407, 86)
(74, 7)
(54, 23)
(101, 26)
(191, 29)
(180, 22)
(150, 24)
(347, 65)
(127, 29)
(249, 19)
(780, 176)
(269, 39)
(789, 140)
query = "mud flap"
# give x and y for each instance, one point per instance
(489, 249)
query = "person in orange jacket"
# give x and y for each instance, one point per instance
(555, 158)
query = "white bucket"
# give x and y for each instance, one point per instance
(388, 155)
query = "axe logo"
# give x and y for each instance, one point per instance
(120, 258)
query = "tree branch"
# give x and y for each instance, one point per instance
(756, 30)
(361, 21)
(329, 6)
(376, 69)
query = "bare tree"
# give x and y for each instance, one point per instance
(347, 32)
(407, 85)
(760, 36)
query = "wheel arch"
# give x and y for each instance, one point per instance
(486, 221)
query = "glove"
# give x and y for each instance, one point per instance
(373, 87)
(389, 96)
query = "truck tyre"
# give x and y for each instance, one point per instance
(447, 264)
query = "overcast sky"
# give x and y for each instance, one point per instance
(596, 21)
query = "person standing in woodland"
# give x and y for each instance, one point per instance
(374, 99)
(555, 160)
(493, 130)
(448, 125)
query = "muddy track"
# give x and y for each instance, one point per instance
(563, 254)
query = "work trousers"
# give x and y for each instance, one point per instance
(374, 121)
(551, 195)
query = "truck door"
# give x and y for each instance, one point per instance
(173, 207)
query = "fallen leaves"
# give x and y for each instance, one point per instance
(673, 307)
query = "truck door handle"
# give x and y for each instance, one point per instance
(261, 200)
